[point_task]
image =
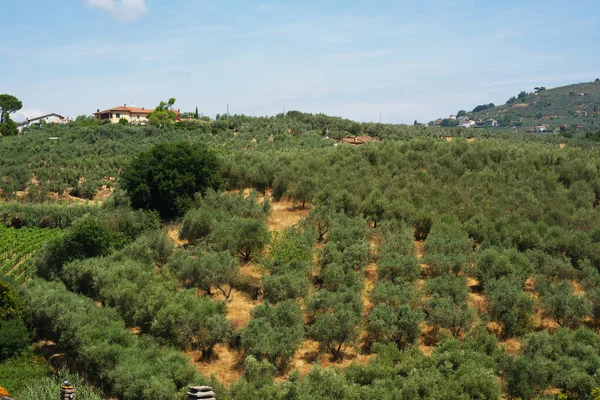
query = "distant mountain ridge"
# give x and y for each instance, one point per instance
(568, 108)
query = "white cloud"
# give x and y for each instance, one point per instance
(25, 113)
(127, 10)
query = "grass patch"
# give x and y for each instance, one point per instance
(18, 372)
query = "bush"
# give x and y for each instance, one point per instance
(88, 237)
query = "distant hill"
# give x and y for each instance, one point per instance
(563, 109)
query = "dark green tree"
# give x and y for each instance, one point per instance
(8, 105)
(163, 115)
(166, 177)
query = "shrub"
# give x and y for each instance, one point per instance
(88, 237)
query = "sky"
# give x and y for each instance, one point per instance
(403, 60)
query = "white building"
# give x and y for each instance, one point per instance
(48, 119)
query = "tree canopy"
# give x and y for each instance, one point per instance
(166, 177)
(8, 105)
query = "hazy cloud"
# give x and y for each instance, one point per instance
(25, 113)
(127, 10)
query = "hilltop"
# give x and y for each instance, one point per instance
(566, 109)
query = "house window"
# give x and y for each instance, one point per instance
(118, 115)
(138, 116)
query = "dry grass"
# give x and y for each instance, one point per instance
(513, 345)
(477, 302)
(578, 289)
(103, 194)
(419, 248)
(370, 279)
(310, 354)
(225, 365)
(284, 214)
(173, 234)
(427, 340)
(239, 306)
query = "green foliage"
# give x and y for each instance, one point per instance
(510, 306)
(335, 318)
(8, 128)
(163, 116)
(88, 237)
(12, 305)
(192, 323)
(8, 105)
(127, 366)
(14, 214)
(525, 202)
(14, 338)
(442, 312)
(562, 305)
(166, 177)
(274, 333)
(483, 107)
(449, 123)
(400, 326)
(19, 372)
(257, 382)
(49, 387)
(207, 271)
(494, 264)
(198, 224)
(564, 360)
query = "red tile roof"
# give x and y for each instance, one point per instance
(358, 140)
(133, 110)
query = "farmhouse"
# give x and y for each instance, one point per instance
(132, 115)
(52, 118)
(129, 114)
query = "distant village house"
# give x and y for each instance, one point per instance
(132, 115)
(52, 118)
(467, 124)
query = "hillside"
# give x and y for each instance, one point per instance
(567, 109)
(432, 264)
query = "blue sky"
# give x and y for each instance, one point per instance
(404, 59)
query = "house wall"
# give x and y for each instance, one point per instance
(129, 117)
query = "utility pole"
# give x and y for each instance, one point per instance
(380, 118)
(227, 110)
(284, 109)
